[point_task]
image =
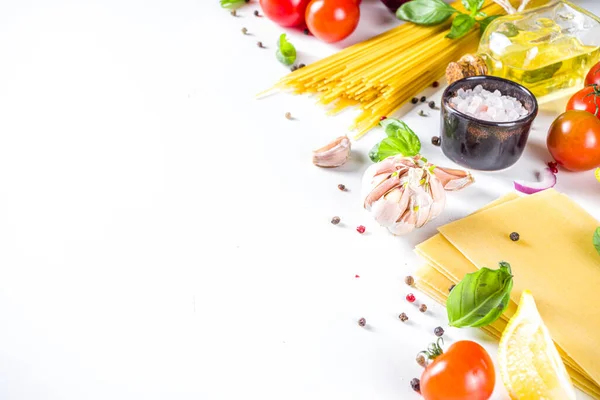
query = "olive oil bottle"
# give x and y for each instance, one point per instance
(548, 49)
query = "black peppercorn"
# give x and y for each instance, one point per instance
(342, 187)
(335, 220)
(432, 104)
(306, 31)
(436, 141)
(423, 308)
(409, 280)
(423, 99)
(514, 236)
(362, 322)
(403, 317)
(259, 44)
(293, 68)
(301, 66)
(439, 331)
(256, 13)
(414, 100)
(415, 384)
(435, 84)
(244, 31)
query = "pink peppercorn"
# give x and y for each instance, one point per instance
(361, 229)
(410, 298)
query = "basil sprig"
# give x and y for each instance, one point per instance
(232, 3)
(286, 52)
(596, 240)
(434, 12)
(481, 297)
(400, 140)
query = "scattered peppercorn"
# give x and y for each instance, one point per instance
(288, 115)
(293, 68)
(451, 287)
(432, 104)
(514, 236)
(256, 13)
(244, 31)
(436, 141)
(409, 280)
(301, 66)
(415, 384)
(403, 317)
(439, 331)
(423, 308)
(362, 322)
(306, 31)
(259, 44)
(423, 99)
(361, 229)
(423, 113)
(335, 220)
(382, 118)
(410, 298)
(421, 360)
(233, 13)
(436, 84)
(342, 187)
(414, 100)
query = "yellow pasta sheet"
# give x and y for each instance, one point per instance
(552, 227)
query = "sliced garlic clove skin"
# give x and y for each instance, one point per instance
(334, 154)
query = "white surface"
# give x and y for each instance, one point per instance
(164, 235)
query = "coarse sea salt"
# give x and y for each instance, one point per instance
(488, 106)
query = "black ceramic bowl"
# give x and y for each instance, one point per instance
(485, 145)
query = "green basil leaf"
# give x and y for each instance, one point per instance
(480, 298)
(483, 24)
(232, 3)
(473, 5)
(400, 140)
(425, 12)
(286, 52)
(596, 240)
(398, 129)
(461, 25)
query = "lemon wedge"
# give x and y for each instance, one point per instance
(530, 365)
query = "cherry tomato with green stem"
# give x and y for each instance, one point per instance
(332, 20)
(574, 140)
(464, 372)
(587, 99)
(288, 13)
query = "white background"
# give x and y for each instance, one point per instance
(164, 235)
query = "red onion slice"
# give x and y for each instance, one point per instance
(547, 179)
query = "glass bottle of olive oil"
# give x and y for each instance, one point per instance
(548, 49)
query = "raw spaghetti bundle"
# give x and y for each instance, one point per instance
(379, 75)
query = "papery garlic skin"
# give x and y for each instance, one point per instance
(334, 154)
(404, 193)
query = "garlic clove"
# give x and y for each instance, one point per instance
(453, 179)
(334, 154)
(439, 197)
(380, 190)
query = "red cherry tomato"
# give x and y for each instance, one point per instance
(587, 99)
(285, 12)
(464, 372)
(574, 140)
(332, 20)
(593, 77)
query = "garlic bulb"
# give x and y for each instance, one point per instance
(334, 154)
(404, 193)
